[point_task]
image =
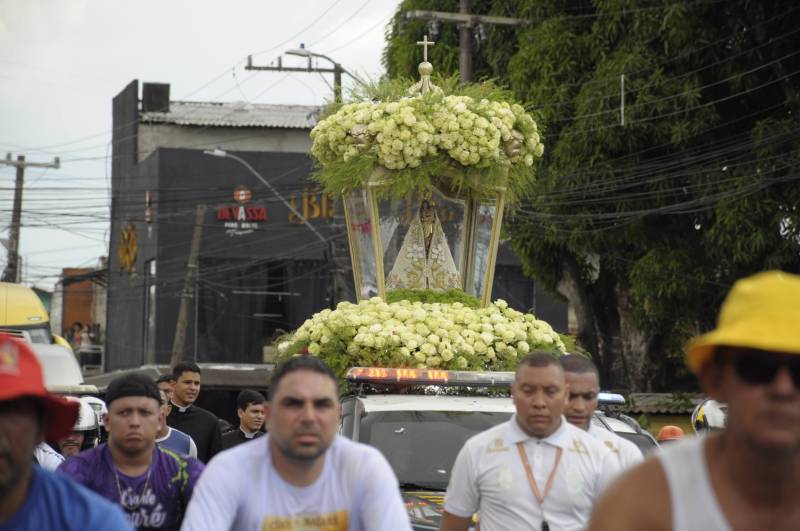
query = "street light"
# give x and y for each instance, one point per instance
(338, 69)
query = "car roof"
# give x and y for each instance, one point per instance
(616, 425)
(436, 403)
(59, 366)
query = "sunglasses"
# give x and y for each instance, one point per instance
(757, 368)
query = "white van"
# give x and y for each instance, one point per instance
(62, 374)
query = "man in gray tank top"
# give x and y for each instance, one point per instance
(748, 475)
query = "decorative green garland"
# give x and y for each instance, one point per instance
(468, 141)
(431, 296)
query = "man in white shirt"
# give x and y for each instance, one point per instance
(47, 458)
(536, 471)
(583, 381)
(301, 475)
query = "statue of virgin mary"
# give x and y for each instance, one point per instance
(424, 260)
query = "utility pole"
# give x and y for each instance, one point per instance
(337, 69)
(337, 72)
(12, 271)
(466, 22)
(179, 343)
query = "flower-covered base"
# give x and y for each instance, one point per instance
(422, 335)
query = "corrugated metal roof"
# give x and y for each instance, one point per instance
(662, 403)
(235, 114)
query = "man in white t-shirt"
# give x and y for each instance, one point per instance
(301, 475)
(536, 471)
(583, 380)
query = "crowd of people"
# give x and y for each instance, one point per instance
(161, 462)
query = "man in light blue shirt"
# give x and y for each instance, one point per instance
(173, 438)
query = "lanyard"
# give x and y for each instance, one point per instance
(534, 487)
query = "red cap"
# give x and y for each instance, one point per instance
(670, 433)
(21, 376)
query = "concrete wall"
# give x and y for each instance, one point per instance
(154, 136)
(56, 310)
(77, 299)
(129, 182)
(99, 306)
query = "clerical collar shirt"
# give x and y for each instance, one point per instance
(181, 409)
(489, 476)
(248, 434)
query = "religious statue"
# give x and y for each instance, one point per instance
(513, 146)
(424, 260)
(360, 134)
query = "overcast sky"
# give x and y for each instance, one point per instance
(62, 61)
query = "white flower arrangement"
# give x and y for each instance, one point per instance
(421, 335)
(401, 134)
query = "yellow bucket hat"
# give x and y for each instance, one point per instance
(760, 312)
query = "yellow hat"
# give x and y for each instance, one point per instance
(760, 312)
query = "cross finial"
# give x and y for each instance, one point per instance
(425, 43)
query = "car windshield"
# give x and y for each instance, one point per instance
(422, 446)
(40, 335)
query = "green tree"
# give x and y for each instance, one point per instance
(644, 227)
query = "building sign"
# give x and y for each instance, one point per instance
(313, 205)
(128, 248)
(241, 218)
(242, 195)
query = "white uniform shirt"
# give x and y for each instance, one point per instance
(240, 490)
(628, 454)
(47, 458)
(489, 476)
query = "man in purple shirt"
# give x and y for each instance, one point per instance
(152, 484)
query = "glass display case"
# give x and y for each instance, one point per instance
(437, 239)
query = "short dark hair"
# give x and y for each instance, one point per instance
(184, 366)
(164, 378)
(134, 384)
(299, 363)
(539, 358)
(249, 397)
(577, 364)
(163, 398)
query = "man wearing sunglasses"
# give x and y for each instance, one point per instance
(747, 476)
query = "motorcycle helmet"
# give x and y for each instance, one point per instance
(708, 416)
(100, 410)
(86, 424)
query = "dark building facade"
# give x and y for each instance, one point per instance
(259, 269)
